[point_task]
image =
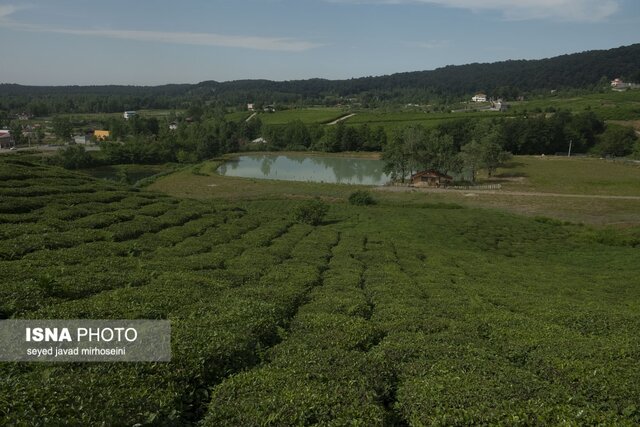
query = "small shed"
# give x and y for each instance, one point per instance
(430, 178)
(81, 139)
(5, 139)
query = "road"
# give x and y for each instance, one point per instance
(338, 120)
(506, 193)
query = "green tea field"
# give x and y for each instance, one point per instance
(393, 314)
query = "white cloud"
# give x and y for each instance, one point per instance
(6, 10)
(200, 39)
(430, 44)
(564, 10)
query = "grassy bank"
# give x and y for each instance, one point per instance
(526, 174)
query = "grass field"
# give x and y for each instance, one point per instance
(576, 175)
(609, 105)
(526, 174)
(306, 115)
(392, 120)
(403, 313)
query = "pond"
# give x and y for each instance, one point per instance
(302, 167)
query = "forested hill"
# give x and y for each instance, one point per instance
(579, 70)
(507, 79)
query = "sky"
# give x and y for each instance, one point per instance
(144, 42)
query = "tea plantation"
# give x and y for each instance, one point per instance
(380, 315)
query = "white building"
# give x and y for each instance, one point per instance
(620, 86)
(479, 97)
(129, 114)
(251, 107)
(81, 139)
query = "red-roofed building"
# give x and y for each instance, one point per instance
(5, 139)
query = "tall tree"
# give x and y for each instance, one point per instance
(438, 152)
(471, 158)
(62, 128)
(396, 157)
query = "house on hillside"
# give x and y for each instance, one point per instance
(479, 97)
(251, 107)
(6, 141)
(617, 83)
(430, 178)
(260, 140)
(620, 86)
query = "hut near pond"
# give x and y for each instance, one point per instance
(430, 178)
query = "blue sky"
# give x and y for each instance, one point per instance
(144, 42)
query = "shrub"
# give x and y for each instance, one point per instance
(310, 212)
(361, 198)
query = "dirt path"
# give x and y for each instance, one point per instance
(338, 120)
(251, 117)
(506, 193)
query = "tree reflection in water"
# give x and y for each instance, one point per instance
(302, 167)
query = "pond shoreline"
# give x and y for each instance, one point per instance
(345, 168)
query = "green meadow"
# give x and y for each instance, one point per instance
(319, 115)
(414, 311)
(393, 120)
(608, 105)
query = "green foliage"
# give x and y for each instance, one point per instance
(62, 128)
(361, 198)
(483, 152)
(419, 314)
(74, 157)
(310, 212)
(616, 141)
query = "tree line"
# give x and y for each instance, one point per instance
(464, 147)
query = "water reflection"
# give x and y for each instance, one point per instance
(307, 168)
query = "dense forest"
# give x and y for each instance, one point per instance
(507, 79)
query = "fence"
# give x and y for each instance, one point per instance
(474, 187)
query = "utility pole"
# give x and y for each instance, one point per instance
(570, 144)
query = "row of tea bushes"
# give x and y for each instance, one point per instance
(219, 327)
(321, 373)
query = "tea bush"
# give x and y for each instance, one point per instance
(361, 198)
(421, 314)
(310, 212)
